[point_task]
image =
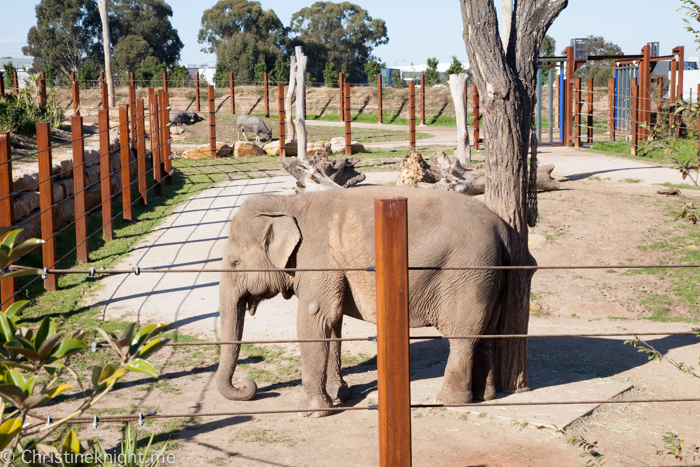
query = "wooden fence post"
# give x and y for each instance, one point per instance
(76, 126)
(16, 82)
(422, 100)
(348, 130)
(141, 152)
(475, 116)
(48, 249)
(393, 372)
(412, 114)
(672, 97)
(578, 109)
(341, 86)
(281, 111)
(155, 140)
(7, 286)
(132, 108)
(125, 166)
(103, 92)
(196, 90)
(697, 122)
(611, 108)
(634, 114)
(105, 174)
(266, 85)
(75, 86)
(42, 93)
(212, 119)
(232, 93)
(165, 81)
(165, 129)
(589, 95)
(132, 80)
(380, 118)
(163, 135)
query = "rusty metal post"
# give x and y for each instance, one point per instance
(105, 174)
(167, 151)
(141, 152)
(132, 108)
(341, 86)
(2, 84)
(103, 92)
(697, 122)
(16, 81)
(568, 96)
(412, 114)
(589, 95)
(165, 81)
(7, 286)
(42, 93)
(132, 80)
(155, 141)
(634, 115)
(266, 85)
(125, 166)
(196, 90)
(232, 93)
(578, 109)
(212, 120)
(393, 372)
(75, 86)
(672, 96)
(379, 98)
(422, 99)
(281, 111)
(611, 108)
(476, 114)
(681, 68)
(163, 132)
(645, 91)
(48, 249)
(76, 125)
(348, 130)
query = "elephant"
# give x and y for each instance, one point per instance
(335, 229)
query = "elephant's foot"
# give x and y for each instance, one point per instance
(484, 392)
(339, 392)
(448, 397)
(315, 402)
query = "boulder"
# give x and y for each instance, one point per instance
(247, 149)
(273, 148)
(338, 146)
(204, 151)
(25, 203)
(177, 131)
(323, 147)
(668, 191)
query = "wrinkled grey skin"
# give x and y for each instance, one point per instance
(333, 229)
(179, 117)
(253, 124)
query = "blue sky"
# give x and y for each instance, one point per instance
(418, 29)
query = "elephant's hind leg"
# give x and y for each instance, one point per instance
(456, 387)
(336, 387)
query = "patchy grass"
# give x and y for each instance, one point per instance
(623, 148)
(263, 436)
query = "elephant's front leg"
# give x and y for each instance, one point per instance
(336, 387)
(457, 386)
(313, 323)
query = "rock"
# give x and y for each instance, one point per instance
(273, 148)
(25, 203)
(67, 185)
(247, 149)
(176, 130)
(338, 146)
(668, 191)
(534, 307)
(204, 151)
(413, 170)
(24, 179)
(323, 147)
(689, 206)
(65, 213)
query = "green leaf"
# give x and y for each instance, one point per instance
(8, 430)
(68, 347)
(9, 241)
(107, 374)
(111, 339)
(25, 247)
(7, 328)
(34, 401)
(142, 366)
(15, 308)
(71, 443)
(152, 347)
(46, 329)
(49, 345)
(146, 333)
(12, 394)
(28, 353)
(55, 391)
(22, 273)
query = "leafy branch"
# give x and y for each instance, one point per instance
(653, 354)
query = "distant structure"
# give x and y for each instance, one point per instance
(206, 72)
(23, 65)
(411, 72)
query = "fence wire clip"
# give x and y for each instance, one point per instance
(48, 421)
(137, 270)
(93, 346)
(170, 141)
(171, 172)
(92, 272)
(45, 274)
(140, 419)
(372, 339)
(370, 269)
(94, 421)
(171, 156)
(168, 108)
(373, 407)
(169, 124)
(5, 270)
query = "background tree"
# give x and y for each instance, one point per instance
(107, 50)
(243, 52)
(432, 76)
(342, 33)
(599, 72)
(549, 45)
(130, 52)
(9, 70)
(65, 35)
(396, 79)
(330, 75)
(280, 72)
(505, 79)
(372, 68)
(150, 73)
(692, 11)
(259, 72)
(455, 67)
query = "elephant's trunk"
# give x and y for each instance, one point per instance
(232, 317)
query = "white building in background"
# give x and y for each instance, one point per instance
(206, 72)
(691, 76)
(415, 71)
(22, 64)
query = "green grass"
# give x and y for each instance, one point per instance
(623, 148)
(391, 118)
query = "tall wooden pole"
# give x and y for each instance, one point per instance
(8, 286)
(125, 165)
(232, 93)
(280, 111)
(196, 90)
(341, 86)
(141, 152)
(46, 204)
(82, 251)
(16, 82)
(103, 92)
(155, 141)
(611, 108)
(42, 93)
(168, 150)
(348, 130)
(212, 120)
(75, 87)
(422, 99)
(476, 113)
(589, 95)
(379, 99)
(412, 114)
(393, 372)
(634, 116)
(578, 109)
(105, 174)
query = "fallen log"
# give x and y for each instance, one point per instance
(317, 172)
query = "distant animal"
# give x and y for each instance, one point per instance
(178, 117)
(253, 124)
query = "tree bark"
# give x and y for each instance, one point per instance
(458, 86)
(301, 114)
(505, 79)
(107, 49)
(288, 100)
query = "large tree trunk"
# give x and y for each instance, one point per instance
(301, 115)
(506, 81)
(288, 99)
(107, 49)
(458, 86)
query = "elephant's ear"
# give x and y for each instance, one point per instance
(281, 239)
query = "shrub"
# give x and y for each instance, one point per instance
(330, 75)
